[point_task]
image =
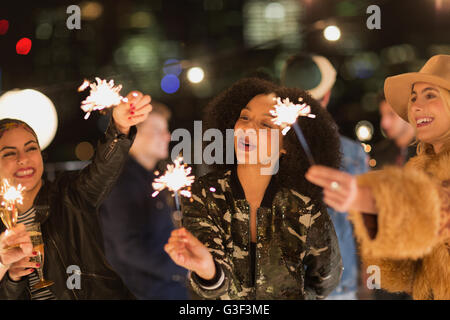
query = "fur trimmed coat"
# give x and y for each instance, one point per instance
(403, 240)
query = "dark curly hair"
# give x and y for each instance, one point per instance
(321, 133)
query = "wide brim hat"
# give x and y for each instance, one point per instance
(397, 89)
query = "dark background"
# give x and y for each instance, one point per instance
(130, 41)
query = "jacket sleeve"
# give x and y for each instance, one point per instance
(323, 259)
(13, 290)
(92, 184)
(409, 207)
(198, 219)
(405, 228)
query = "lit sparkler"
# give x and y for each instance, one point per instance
(286, 114)
(176, 178)
(103, 95)
(10, 197)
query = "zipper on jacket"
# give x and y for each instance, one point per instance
(251, 271)
(111, 148)
(96, 276)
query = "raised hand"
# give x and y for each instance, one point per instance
(132, 112)
(341, 191)
(188, 252)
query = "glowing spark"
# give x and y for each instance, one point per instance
(286, 113)
(11, 195)
(175, 179)
(103, 95)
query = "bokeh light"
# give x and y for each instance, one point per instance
(195, 75)
(4, 26)
(170, 83)
(23, 46)
(34, 108)
(141, 20)
(364, 130)
(274, 11)
(91, 10)
(172, 66)
(44, 31)
(332, 33)
(84, 151)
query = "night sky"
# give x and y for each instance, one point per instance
(129, 41)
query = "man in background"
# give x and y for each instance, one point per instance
(317, 75)
(135, 225)
(398, 147)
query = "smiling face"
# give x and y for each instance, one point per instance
(254, 141)
(429, 114)
(21, 159)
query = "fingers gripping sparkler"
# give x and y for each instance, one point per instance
(103, 95)
(286, 114)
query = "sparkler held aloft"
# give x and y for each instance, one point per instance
(103, 95)
(286, 114)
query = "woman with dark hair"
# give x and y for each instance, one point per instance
(250, 235)
(65, 212)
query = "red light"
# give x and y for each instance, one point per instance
(4, 26)
(23, 46)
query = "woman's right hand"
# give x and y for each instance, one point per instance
(188, 252)
(17, 260)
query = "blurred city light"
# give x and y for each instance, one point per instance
(170, 83)
(140, 19)
(172, 66)
(367, 147)
(44, 31)
(274, 11)
(364, 130)
(23, 46)
(332, 33)
(4, 26)
(195, 74)
(398, 54)
(91, 10)
(84, 151)
(278, 21)
(34, 108)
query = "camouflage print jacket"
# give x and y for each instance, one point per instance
(297, 252)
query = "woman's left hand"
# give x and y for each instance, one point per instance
(341, 191)
(132, 112)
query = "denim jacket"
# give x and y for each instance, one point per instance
(354, 161)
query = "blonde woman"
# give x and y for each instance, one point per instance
(401, 215)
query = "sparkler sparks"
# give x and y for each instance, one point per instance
(175, 179)
(286, 113)
(103, 95)
(11, 195)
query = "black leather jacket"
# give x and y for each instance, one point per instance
(67, 211)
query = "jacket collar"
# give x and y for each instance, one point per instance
(238, 191)
(42, 202)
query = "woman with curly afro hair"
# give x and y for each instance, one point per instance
(252, 235)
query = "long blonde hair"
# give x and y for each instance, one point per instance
(427, 148)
